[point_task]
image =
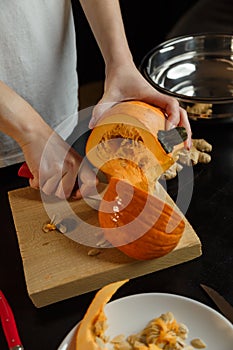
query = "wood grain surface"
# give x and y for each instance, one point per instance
(58, 268)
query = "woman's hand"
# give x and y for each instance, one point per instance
(56, 167)
(53, 163)
(126, 83)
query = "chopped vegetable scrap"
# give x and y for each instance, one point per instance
(53, 225)
(163, 332)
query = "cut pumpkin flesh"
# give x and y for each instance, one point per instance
(92, 327)
(125, 144)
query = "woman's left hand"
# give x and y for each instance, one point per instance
(127, 83)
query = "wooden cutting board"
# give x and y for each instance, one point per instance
(58, 268)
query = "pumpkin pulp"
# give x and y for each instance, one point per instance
(124, 144)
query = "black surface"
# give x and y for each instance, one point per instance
(146, 25)
(210, 213)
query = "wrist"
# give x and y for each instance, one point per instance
(123, 63)
(32, 132)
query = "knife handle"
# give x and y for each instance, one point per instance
(8, 323)
(24, 171)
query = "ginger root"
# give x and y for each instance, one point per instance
(203, 109)
(172, 171)
(197, 154)
(202, 145)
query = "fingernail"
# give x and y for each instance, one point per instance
(189, 144)
(92, 123)
(170, 126)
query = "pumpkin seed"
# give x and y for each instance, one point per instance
(93, 252)
(47, 227)
(198, 343)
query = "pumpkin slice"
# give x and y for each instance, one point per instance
(138, 223)
(91, 330)
(129, 142)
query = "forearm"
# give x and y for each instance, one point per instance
(123, 80)
(17, 118)
(105, 20)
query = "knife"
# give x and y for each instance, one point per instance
(224, 306)
(9, 325)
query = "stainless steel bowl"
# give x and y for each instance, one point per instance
(198, 71)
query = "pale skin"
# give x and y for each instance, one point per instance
(59, 168)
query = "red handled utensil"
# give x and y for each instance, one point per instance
(9, 325)
(24, 171)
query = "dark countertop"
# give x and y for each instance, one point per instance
(210, 213)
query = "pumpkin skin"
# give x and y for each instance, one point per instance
(85, 336)
(139, 123)
(138, 223)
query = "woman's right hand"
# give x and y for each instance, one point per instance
(53, 163)
(56, 167)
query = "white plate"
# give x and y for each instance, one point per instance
(130, 314)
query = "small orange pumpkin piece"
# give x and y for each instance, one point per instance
(124, 144)
(93, 323)
(138, 223)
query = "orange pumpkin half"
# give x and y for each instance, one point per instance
(124, 144)
(138, 223)
(91, 330)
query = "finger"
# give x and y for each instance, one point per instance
(77, 194)
(34, 183)
(87, 181)
(66, 185)
(50, 185)
(86, 174)
(180, 119)
(169, 104)
(85, 190)
(172, 111)
(184, 121)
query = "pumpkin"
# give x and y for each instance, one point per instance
(92, 327)
(131, 147)
(129, 142)
(139, 224)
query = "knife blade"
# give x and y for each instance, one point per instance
(9, 324)
(224, 306)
